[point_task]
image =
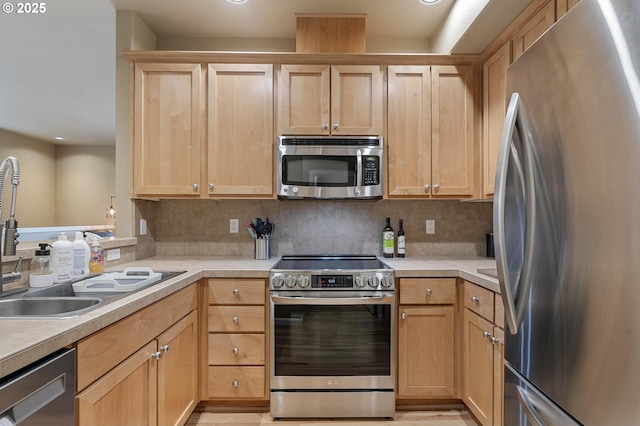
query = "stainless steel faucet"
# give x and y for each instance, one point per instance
(11, 232)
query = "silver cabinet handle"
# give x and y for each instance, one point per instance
(195, 186)
(325, 126)
(236, 291)
(235, 383)
(486, 334)
(235, 351)
(436, 187)
(427, 188)
(404, 315)
(164, 348)
(235, 320)
(211, 187)
(335, 126)
(494, 340)
(428, 291)
(475, 299)
(156, 355)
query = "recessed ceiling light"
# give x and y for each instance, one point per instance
(428, 2)
(58, 138)
(243, 1)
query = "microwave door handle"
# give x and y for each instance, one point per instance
(286, 300)
(358, 172)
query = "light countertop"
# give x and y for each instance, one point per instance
(26, 340)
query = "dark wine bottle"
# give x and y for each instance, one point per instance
(401, 241)
(388, 242)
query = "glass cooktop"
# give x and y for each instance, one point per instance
(320, 262)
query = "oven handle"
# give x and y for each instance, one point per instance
(287, 300)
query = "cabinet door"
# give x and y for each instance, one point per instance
(356, 100)
(426, 358)
(498, 376)
(477, 390)
(177, 372)
(167, 129)
(452, 140)
(304, 99)
(409, 130)
(534, 28)
(495, 109)
(240, 137)
(124, 396)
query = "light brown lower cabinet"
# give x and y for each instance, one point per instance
(154, 385)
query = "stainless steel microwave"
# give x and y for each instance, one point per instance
(324, 167)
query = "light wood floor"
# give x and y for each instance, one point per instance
(402, 418)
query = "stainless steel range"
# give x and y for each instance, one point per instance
(332, 337)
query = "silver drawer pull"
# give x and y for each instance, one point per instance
(235, 351)
(494, 340)
(156, 355)
(475, 299)
(235, 320)
(404, 315)
(428, 291)
(164, 348)
(486, 334)
(236, 291)
(235, 383)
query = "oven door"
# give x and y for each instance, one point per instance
(332, 340)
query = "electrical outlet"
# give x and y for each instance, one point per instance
(233, 226)
(431, 227)
(143, 227)
(113, 254)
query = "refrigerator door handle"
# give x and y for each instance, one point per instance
(514, 289)
(529, 409)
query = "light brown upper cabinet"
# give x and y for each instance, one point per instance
(167, 129)
(240, 136)
(495, 108)
(563, 6)
(534, 28)
(430, 131)
(330, 100)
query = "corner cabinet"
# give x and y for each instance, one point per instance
(533, 29)
(426, 338)
(431, 131)
(173, 155)
(330, 100)
(142, 369)
(167, 129)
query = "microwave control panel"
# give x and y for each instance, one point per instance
(371, 170)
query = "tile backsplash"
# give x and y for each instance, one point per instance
(201, 227)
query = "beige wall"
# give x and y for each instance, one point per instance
(35, 201)
(85, 178)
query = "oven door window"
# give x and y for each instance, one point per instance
(319, 170)
(332, 340)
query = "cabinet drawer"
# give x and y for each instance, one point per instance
(236, 382)
(414, 291)
(478, 300)
(499, 311)
(236, 349)
(236, 292)
(236, 319)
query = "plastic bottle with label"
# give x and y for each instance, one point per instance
(96, 263)
(62, 259)
(81, 256)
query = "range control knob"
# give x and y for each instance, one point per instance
(277, 281)
(360, 281)
(386, 281)
(295, 189)
(303, 281)
(290, 281)
(374, 281)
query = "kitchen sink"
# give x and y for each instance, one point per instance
(47, 306)
(60, 301)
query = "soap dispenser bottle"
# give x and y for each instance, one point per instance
(81, 256)
(41, 274)
(96, 264)
(62, 259)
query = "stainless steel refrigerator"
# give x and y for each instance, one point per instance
(567, 222)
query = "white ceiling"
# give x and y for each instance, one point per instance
(57, 69)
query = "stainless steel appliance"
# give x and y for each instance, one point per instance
(566, 222)
(330, 167)
(40, 394)
(332, 337)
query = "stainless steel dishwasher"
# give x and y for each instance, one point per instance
(41, 393)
